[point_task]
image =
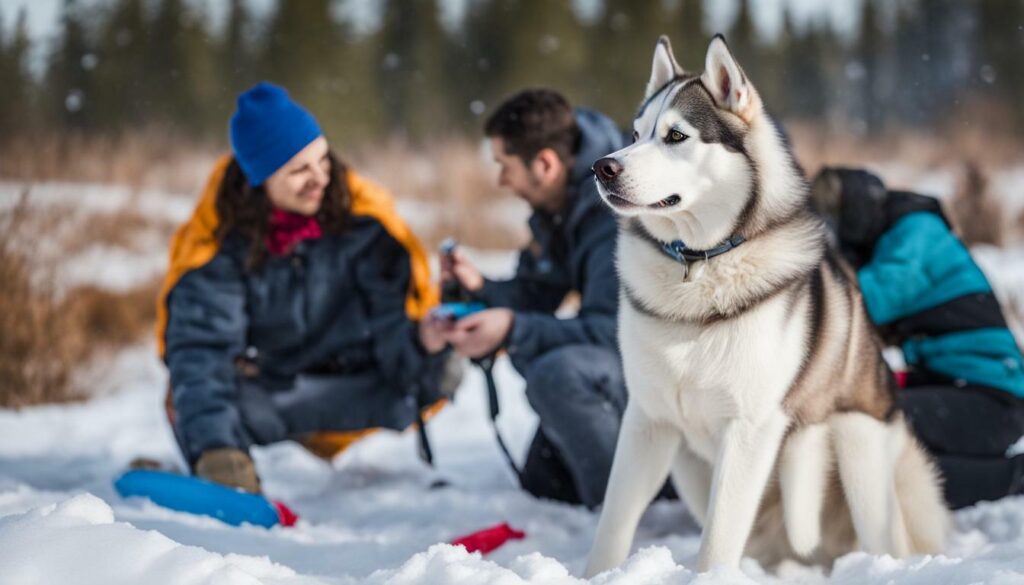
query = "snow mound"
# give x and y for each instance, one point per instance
(448, 564)
(77, 541)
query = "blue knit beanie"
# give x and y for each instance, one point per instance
(268, 129)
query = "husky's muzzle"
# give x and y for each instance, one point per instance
(607, 170)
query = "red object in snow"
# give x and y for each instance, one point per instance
(489, 539)
(285, 514)
(901, 379)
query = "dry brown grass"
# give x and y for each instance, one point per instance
(447, 190)
(976, 215)
(120, 229)
(979, 130)
(456, 181)
(47, 332)
(454, 178)
(113, 318)
(817, 147)
(459, 182)
(37, 346)
(152, 157)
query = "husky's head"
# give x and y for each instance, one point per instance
(703, 149)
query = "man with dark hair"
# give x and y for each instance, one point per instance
(573, 373)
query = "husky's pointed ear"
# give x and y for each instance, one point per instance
(664, 68)
(727, 82)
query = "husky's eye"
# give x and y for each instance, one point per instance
(675, 137)
(636, 136)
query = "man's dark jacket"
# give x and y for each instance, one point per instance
(573, 250)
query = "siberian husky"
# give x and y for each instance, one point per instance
(755, 377)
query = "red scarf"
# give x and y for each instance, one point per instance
(288, 229)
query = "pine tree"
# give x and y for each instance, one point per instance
(742, 36)
(412, 76)
(69, 80)
(785, 46)
(912, 48)
(870, 47)
(235, 60)
(999, 70)
(122, 94)
(747, 48)
(806, 77)
(689, 38)
(203, 77)
(480, 58)
(548, 49)
(179, 73)
(622, 44)
(324, 66)
(16, 111)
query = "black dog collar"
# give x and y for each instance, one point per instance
(678, 251)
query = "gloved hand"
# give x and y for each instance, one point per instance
(229, 466)
(451, 377)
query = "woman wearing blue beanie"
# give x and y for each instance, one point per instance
(295, 304)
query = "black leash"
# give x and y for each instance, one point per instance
(453, 291)
(426, 453)
(486, 364)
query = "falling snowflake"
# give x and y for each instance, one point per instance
(89, 61)
(987, 74)
(74, 100)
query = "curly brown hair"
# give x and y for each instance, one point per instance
(246, 209)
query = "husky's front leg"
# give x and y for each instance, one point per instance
(642, 457)
(691, 477)
(745, 459)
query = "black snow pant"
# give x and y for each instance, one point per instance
(579, 394)
(271, 412)
(968, 430)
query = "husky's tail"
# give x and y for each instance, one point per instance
(919, 491)
(891, 487)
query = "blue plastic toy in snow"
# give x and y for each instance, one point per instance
(199, 496)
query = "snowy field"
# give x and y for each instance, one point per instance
(370, 516)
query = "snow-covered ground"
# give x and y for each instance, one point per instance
(370, 516)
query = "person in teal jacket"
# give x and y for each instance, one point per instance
(964, 386)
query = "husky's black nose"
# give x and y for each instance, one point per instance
(607, 169)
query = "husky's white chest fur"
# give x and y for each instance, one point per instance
(689, 367)
(699, 378)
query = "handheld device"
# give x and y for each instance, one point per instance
(456, 301)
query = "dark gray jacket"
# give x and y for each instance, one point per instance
(571, 251)
(324, 325)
